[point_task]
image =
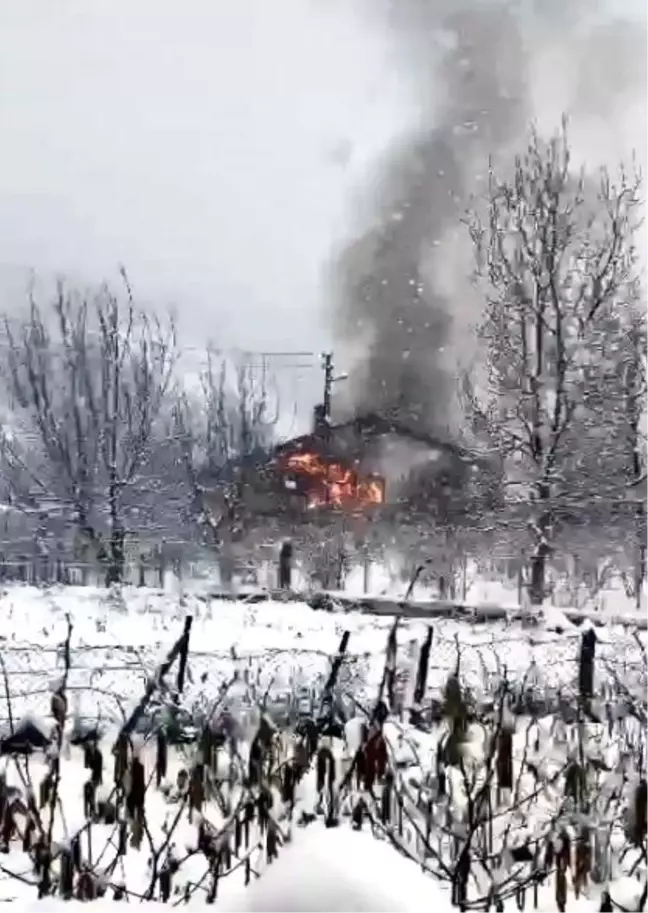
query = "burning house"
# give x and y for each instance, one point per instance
(324, 481)
(366, 466)
(362, 464)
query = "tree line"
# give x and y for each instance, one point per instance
(100, 432)
(100, 427)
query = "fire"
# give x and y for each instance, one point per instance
(333, 483)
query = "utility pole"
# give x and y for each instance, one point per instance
(327, 366)
(323, 409)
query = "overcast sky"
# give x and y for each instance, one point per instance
(212, 146)
(209, 146)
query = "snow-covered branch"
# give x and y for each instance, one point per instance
(557, 264)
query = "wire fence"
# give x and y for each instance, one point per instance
(104, 677)
(407, 809)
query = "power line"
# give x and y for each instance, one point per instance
(249, 359)
(256, 359)
(232, 352)
(255, 352)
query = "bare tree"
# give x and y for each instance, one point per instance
(224, 429)
(633, 434)
(88, 381)
(627, 394)
(556, 260)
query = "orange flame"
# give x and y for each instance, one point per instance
(333, 483)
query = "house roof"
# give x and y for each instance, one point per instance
(374, 425)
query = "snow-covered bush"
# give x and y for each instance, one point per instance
(506, 785)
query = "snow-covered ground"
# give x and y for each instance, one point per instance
(338, 870)
(119, 638)
(117, 641)
(321, 869)
(608, 596)
(312, 876)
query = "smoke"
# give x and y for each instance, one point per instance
(483, 71)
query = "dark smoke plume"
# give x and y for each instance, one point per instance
(404, 304)
(388, 298)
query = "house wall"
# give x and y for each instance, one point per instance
(392, 456)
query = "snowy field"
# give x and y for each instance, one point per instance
(118, 641)
(283, 652)
(313, 875)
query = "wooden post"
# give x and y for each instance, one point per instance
(586, 667)
(184, 653)
(326, 700)
(285, 565)
(390, 667)
(154, 682)
(422, 670)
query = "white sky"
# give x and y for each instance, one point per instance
(209, 146)
(215, 148)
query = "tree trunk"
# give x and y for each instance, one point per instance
(635, 407)
(538, 572)
(541, 551)
(115, 558)
(537, 582)
(640, 563)
(443, 588)
(161, 566)
(226, 566)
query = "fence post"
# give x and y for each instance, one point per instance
(184, 653)
(285, 565)
(586, 667)
(153, 684)
(423, 664)
(389, 674)
(337, 664)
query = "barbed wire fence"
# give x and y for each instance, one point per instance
(105, 675)
(398, 810)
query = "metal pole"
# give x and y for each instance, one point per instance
(327, 363)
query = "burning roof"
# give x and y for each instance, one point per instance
(342, 465)
(327, 482)
(356, 432)
(356, 466)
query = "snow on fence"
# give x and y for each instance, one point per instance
(103, 677)
(455, 793)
